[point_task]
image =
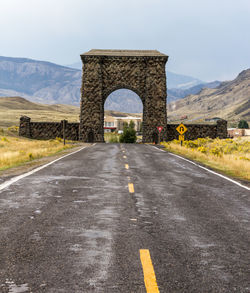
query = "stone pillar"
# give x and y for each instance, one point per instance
(155, 108)
(24, 127)
(222, 128)
(91, 112)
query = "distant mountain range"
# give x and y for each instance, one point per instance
(230, 100)
(49, 83)
(39, 81)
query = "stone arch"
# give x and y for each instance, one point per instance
(105, 71)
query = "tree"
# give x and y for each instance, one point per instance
(129, 133)
(243, 124)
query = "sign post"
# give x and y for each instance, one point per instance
(181, 129)
(159, 130)
(64, 127)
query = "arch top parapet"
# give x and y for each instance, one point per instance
(123, 54)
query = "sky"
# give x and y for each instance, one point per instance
(206, 39)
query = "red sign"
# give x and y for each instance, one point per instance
(159, 128)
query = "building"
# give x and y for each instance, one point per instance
(236, 132)
(112, 123)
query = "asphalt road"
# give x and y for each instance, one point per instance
(80, 224)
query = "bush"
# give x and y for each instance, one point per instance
(243, 124)
(129, 133)
(13, 129)
(202, 149)
(59, 139)
(113, 139)
(31, 157)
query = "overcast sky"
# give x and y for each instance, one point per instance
(207, 39)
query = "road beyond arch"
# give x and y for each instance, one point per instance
(104, 71)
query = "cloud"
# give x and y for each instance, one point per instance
(205, 38)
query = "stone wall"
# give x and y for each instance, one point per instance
(199, 131)
(47, 130)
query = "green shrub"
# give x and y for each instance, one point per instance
(31, 157)
(13, 129)
(129, 133)
(243, 124)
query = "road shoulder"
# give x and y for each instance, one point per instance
(29, 166)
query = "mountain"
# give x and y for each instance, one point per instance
(39, 81)
(46, 82)
(230, 100)
(124, 101)
(178, 93)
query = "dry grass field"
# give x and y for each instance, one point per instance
(230, 156)
(15, 151)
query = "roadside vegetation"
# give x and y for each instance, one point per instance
(111, 137)
(128, 135)
(230, 156)
(15, 151)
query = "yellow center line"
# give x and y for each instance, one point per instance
(124, 157)
(148, 271)
(126, 166)
(131, 188)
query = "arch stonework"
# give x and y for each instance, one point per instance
(105, 71)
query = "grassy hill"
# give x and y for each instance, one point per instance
(12, 108)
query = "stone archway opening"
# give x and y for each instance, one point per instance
(121, 107)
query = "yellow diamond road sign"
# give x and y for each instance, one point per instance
(181, 128)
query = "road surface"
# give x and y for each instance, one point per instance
(124, 218)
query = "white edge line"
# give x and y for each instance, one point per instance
(17, 178)
(213, 172)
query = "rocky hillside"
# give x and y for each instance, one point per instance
(230, 100)
(39, 81)
(175, 94)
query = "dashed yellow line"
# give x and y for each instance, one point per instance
(124, 157)
(127, 166)
(148, 271)
(131, 188)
